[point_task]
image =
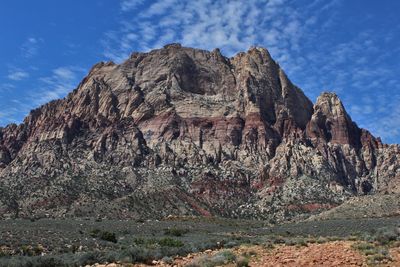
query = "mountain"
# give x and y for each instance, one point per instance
(183, 131)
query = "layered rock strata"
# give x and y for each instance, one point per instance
(183, 131)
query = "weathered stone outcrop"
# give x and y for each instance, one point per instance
(225, 136)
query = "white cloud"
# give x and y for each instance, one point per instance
(30, 47)
(48, 88)
(232, 25)
(127, 5)
(17, 75)
(6, 87)
(64, 73)
(58, 84)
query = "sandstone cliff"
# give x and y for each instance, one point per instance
(186, 131)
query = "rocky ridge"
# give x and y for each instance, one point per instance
(183, 131)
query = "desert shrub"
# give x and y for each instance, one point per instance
(167, 260)
(228, 255)
(369, 252)
(108, 236)
(277, 240)
(231, 244)
(137, 254)
(220, 258)
(363, 246)
(48, 261)
(321, 240)
(376, 258)
(104, 235)
(268, 245)
(382, 255)
(242, 261)
(193, 264)
(367, 237)
(95, 233)
(352, 238)
(26, 250)
(169, 242)
(154, 243)
(139, 241)
(249, 253)
(90, 258)
(295, 242)
(175, 232)
(311, 240)
(375, 254)
(334, 238)
(385, 236)
(111, 256)
(38, 249)
(15, 262)
(23, 261)
(74, 248)
(301, 242)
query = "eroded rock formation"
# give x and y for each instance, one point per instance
(186, 131)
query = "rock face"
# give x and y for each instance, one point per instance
(184, 131)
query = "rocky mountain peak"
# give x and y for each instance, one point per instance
(329, 103)
(179, 130)
(331, 122)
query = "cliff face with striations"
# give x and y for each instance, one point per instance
(185, 131)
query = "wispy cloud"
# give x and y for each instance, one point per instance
(6, 87)
(127, 5)
(65, 73)
(17, 74)
(30, 47)
(230, 25)
(58, 84)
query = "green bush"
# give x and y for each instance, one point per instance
(26, 251)
(386, 236)
(104, 235)
(175, 232)
(108, 236)
(95, 233)
(169, 242)
(228, 255)
(31, 250)
(3, 253)
(139, 241)
(363, 246)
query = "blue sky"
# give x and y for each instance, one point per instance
(350, 47)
